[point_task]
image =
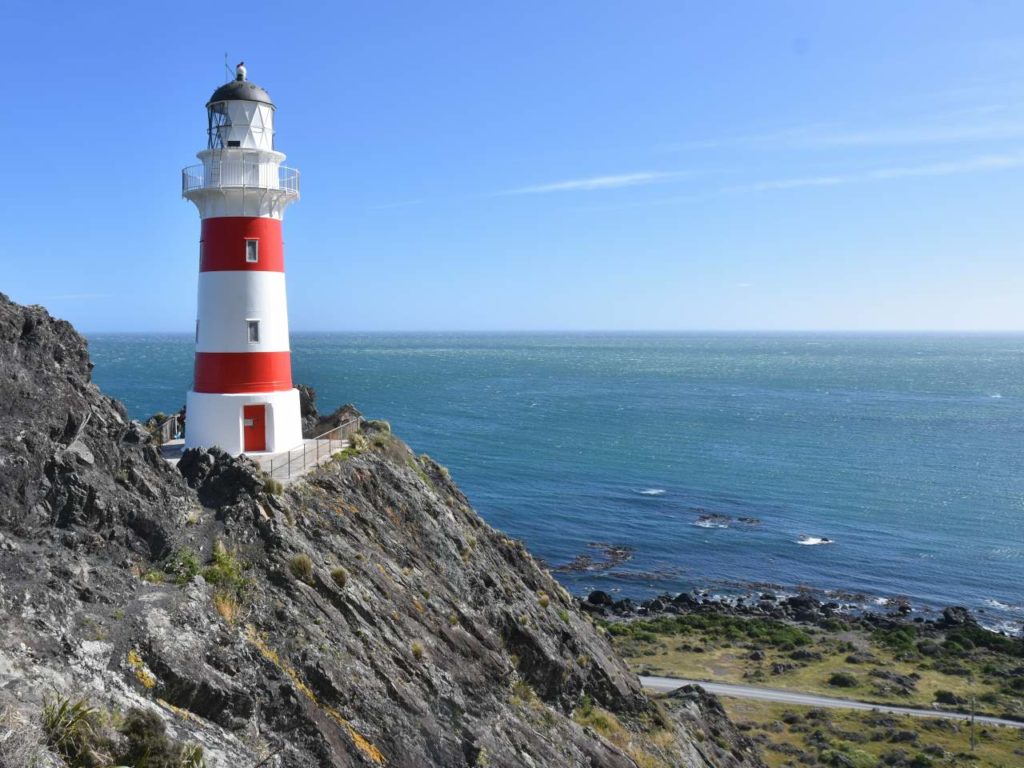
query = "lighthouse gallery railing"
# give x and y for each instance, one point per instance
(239, 174)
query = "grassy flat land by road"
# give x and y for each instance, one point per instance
(792, 736)
(905, 665)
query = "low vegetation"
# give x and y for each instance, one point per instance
(340, 576)
(301, 567)
(227, 572)
(183, 565)
(817, 738)
(84, 736)
(904, 664)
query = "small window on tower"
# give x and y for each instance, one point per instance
(234, 143)
(197, 330)
(254, 331)
(252, 251)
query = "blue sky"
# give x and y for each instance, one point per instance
(567, 165)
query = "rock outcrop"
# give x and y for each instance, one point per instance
(364, 616)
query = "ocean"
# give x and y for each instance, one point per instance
(867, 467)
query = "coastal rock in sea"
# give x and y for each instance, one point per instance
(803, 608)
(363, 616)
(957, 616)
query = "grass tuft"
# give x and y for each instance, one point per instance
(301, 567)
(340, 577)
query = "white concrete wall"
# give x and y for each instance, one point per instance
(228, 299)
(216, 420)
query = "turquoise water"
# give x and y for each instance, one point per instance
(906, 451)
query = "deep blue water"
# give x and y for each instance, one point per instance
(907, 451)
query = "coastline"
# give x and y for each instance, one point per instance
(802, 604)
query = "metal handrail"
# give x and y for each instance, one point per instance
(168, 429)
(338, 434)
(239, 174)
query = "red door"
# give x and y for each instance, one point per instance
(254, 427)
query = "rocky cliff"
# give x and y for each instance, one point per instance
(362, 616)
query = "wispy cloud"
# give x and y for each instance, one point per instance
(977, 164)
(979, 124)
(595, 183)
(917, 135)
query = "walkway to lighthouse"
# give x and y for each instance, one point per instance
(293, 464)
(286, 466)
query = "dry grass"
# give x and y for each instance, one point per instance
(301, 566)
(340, 577)
(707, 655)
(226, 604)
(793, 735)
(22, 743)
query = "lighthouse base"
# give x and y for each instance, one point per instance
(260, 422)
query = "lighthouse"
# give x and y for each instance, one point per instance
(242, 397)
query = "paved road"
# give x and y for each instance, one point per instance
(666, 684)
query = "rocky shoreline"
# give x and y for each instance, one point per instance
(802, 607)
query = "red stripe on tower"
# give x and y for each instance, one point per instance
(227, 244)
(243, 372)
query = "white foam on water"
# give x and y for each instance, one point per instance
(710, 524)
(652, 492)
(1001, 606)
(813, 541)
(1008, 628)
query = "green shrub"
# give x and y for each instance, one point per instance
(947, 697)
(148, 746)
(928, 648)
(226, 571)
(979, 637)
(76, 732)
(767, 632)
(183, 565)
(340, 576)
(301, 567)
(153, 576)
(417, 650)
(843, 680)
(70, 728)
(273, 487)
(901, 638)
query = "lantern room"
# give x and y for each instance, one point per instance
(240, 114)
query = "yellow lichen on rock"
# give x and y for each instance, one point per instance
(362, 743)
(146, 678)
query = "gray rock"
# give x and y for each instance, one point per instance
(444, 645)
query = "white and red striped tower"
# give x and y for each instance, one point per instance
(242, 397)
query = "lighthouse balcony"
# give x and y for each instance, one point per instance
(234, 174)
